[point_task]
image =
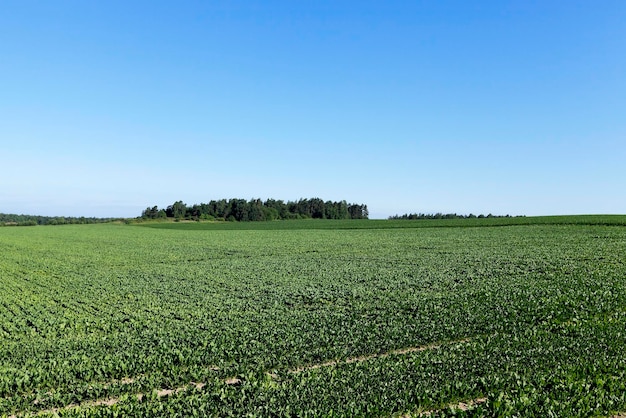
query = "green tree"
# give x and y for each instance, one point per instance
(178, 210)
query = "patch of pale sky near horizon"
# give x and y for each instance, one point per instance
(515, 183)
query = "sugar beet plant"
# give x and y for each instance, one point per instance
(117, 320)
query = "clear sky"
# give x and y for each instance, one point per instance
(503, 107)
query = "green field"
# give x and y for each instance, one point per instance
(476, 317)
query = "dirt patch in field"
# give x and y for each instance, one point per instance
(232, 381)
(110, 401)
(399, 351)
(87, 404)
(461, 406)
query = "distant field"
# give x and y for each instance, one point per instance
(385, 224)
(477, 317)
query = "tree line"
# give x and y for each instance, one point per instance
(242, 210)
(412, 216)
(9, 219)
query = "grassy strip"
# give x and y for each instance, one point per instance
(312, 224)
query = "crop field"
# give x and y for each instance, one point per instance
(486, 317)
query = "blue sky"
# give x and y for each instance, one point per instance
(503, 107)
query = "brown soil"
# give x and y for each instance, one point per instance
(400, 351)
(462, 406)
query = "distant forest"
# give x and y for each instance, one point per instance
(257, 210)
(7, 219)
(412, 216)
